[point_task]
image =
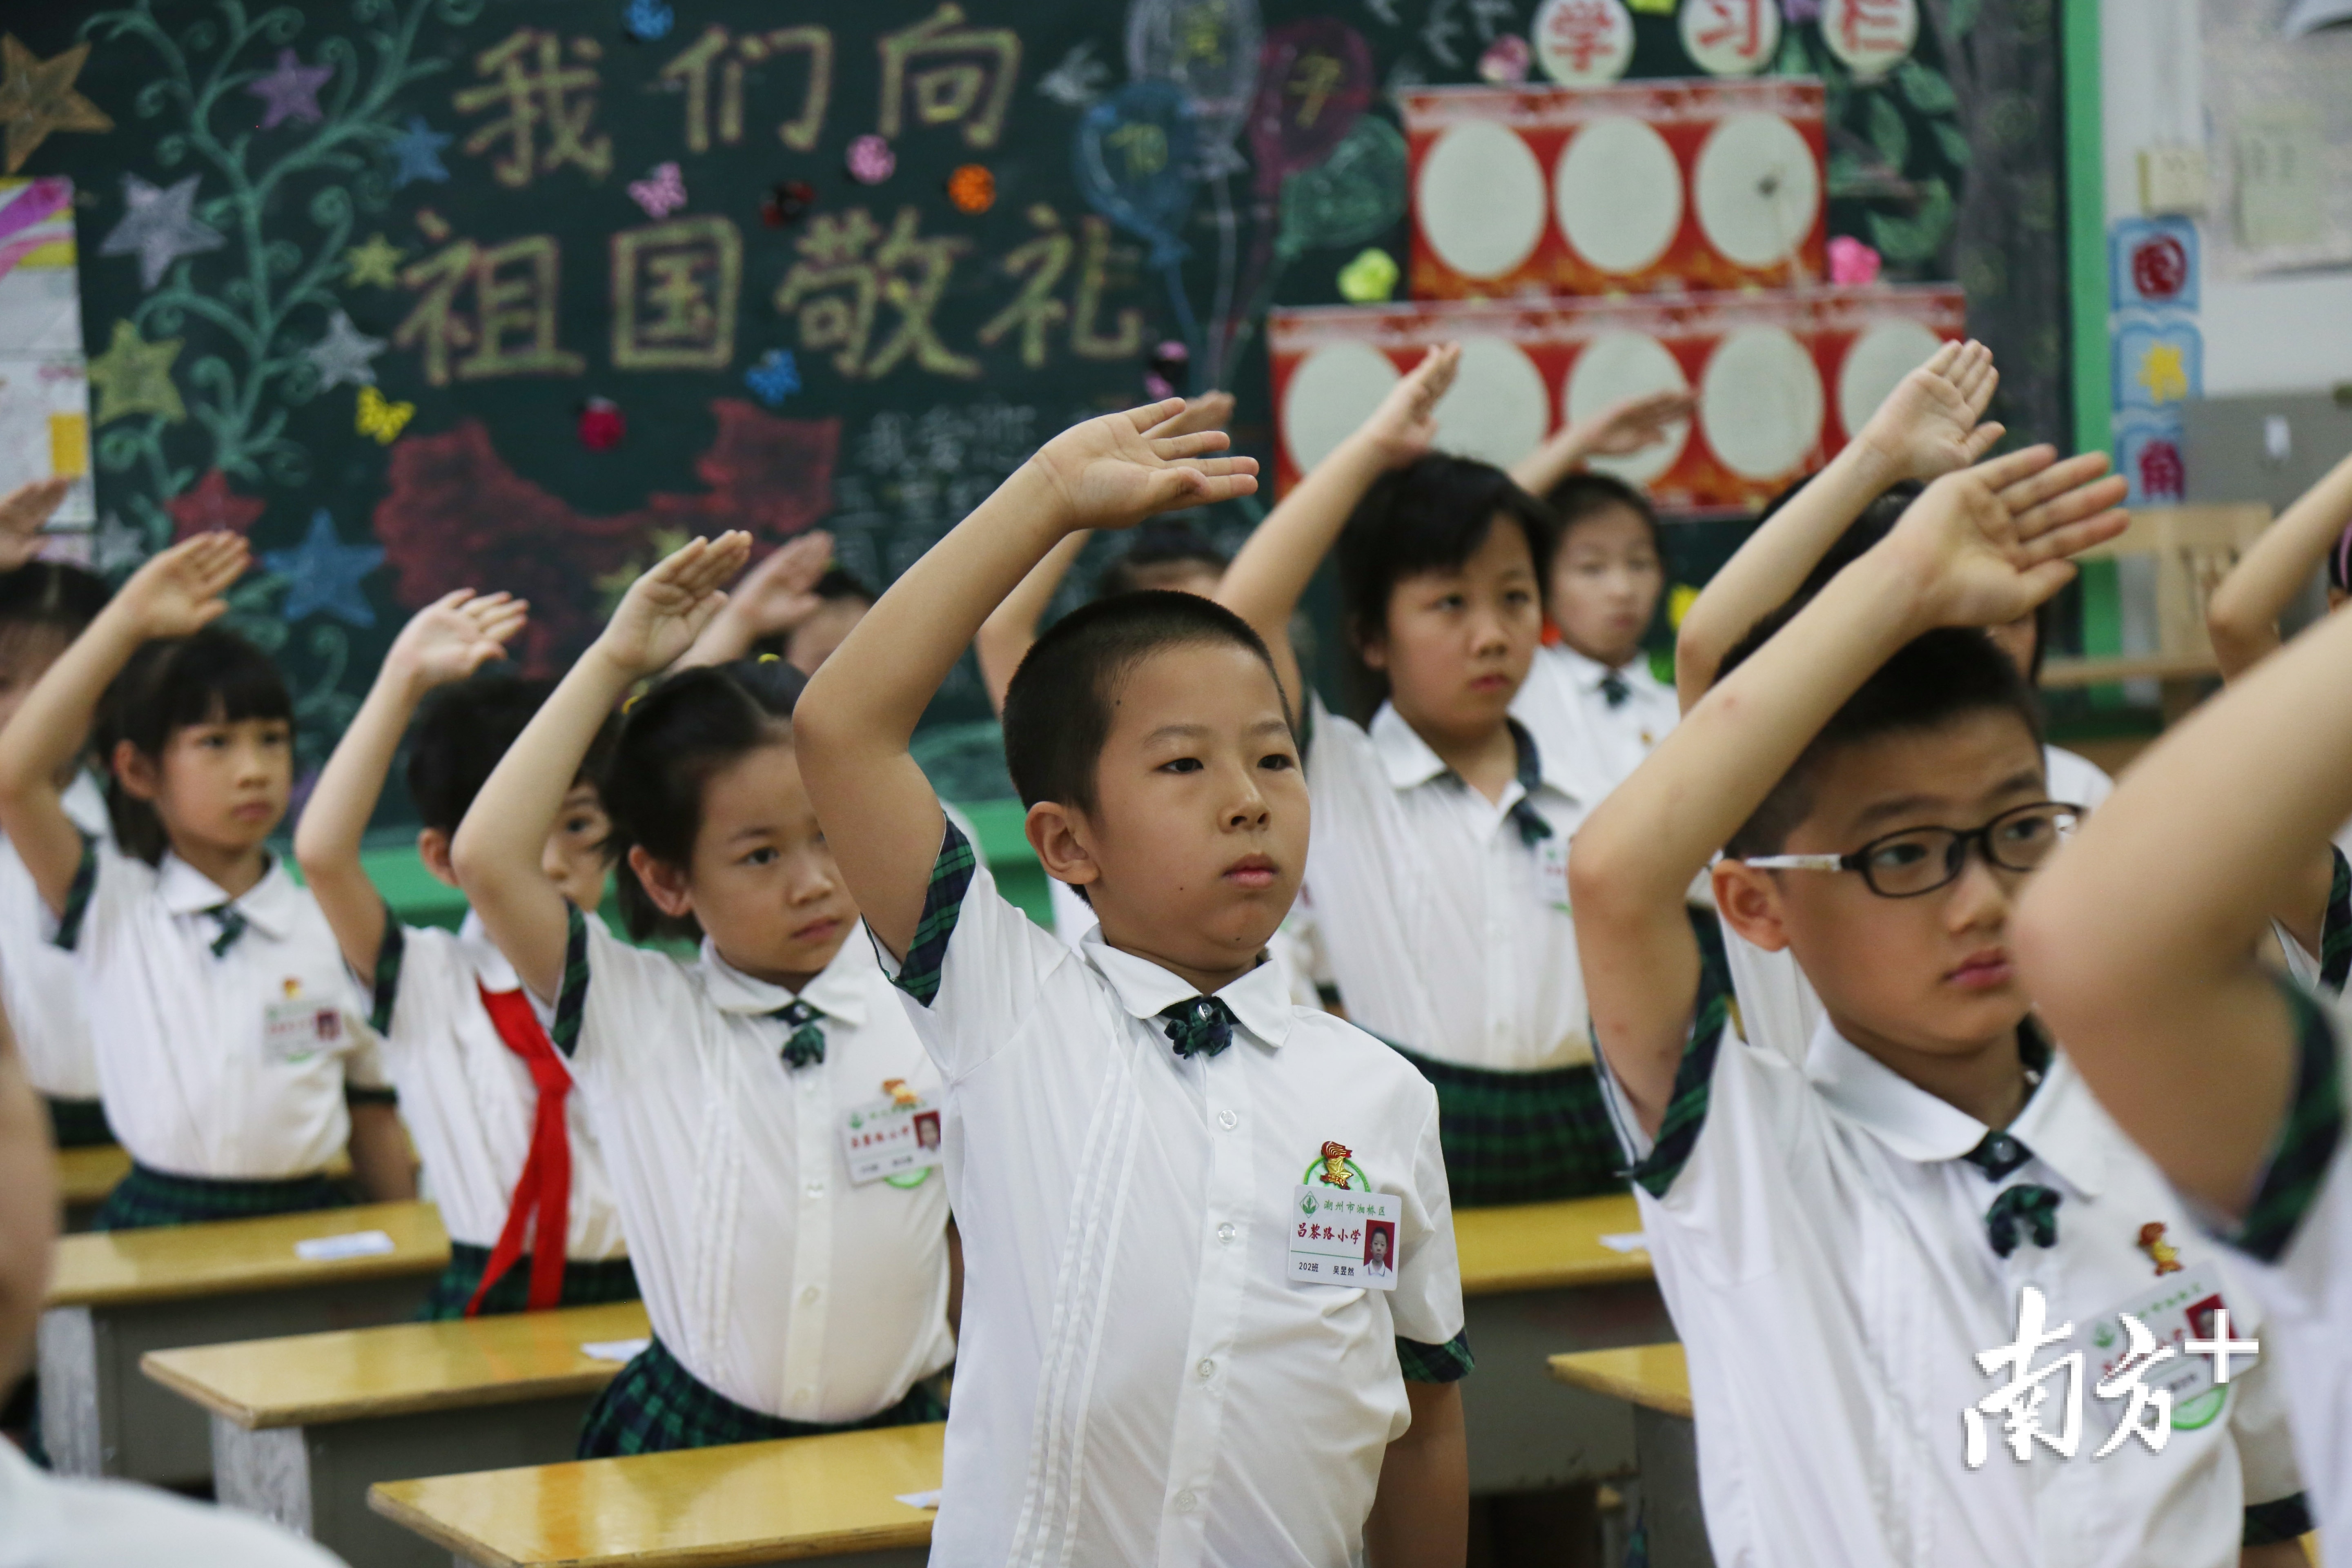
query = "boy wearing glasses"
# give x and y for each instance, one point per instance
(1845, 1222)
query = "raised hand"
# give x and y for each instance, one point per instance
(1631, 424)
(667, 608)
(180, 590)
(456, 635)
(1210, 411)
(1404, 425)
(1929, 427)
(775, 596)
(1115, 472)
(1989, 544)
(22, 512)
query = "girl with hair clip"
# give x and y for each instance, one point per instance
(231, 1045)
(756, 1104)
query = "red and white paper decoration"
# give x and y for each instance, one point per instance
(1583, 43)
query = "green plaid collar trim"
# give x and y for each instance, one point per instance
(571, 998)
(1448, 1362)
(2305, 1148)
(78, 896)
(391, 951)
(2336, 927)
(952, 876)
(1685, 1116)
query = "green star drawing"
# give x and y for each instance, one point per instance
(373, 263)
(134, 376)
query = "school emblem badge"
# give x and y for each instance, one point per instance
(1336, 1170)
(2162, 1253)
(900, 1095)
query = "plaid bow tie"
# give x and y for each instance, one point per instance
(806, 1042)
(2027, 1203)
(232, 926)
(1997, 1155)
(1533, 828)
(1614, 690)
(1204, 1026)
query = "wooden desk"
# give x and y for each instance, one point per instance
(1654, 1382)
(1536, 1280)
(84, 1178)
(811, 1501)
(300, 1427)
(116, 1295)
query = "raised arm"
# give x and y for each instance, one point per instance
(445, 641)
(23, 513)
(1981, 547)
(1005, 638)
(774, 598)
(2242, 615)
(497, 847)
(177, 592)
(1619, 430)
(1928, 426)
(854, 722)
(2138, 942)
(1263, 584)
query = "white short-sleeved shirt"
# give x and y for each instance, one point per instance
(231, 1066)
(1445, 929)
(49, 1522)
(1565, 704)
(1140, 1382)
(1297, 947)
(765, 1271)
(2073, 779)
(468, 1101)
(37, 981)
(1805, 1200)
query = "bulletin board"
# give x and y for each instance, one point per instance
(422, 294)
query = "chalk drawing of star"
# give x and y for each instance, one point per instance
(373, 263)
(118, 547)
(210, 507)
(291, 91)
(341, 357)
(417, 152)
(325, 574)
(159, 227)
(134, 376)
(36, 97)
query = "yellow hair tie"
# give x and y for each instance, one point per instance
(630, 700)
(769, 658)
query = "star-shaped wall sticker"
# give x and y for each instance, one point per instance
(416, 152)
(325, 574)
(134, 376)
(159, 225)
(36, 97)
(291, 91)
(373, 263)
(211, 508)
(341, 357)
(117, 547)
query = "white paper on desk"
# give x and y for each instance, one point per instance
(614, 1350)
(333, 1248)
(919, 1499)
(1626, 1241)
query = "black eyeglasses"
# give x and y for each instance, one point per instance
(1921, 859)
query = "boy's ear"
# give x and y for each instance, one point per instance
(433, 849)
(1372, 645)
(664, 883)
(1056, 832)
(1749, 902)
(139, 772)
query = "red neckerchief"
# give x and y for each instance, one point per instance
(544, 1189)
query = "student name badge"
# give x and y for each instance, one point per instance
(1551, 870)
(1341, 1237)
(2177, 1308)
(895, 1139)
(294, 1029)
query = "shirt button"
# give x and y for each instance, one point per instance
(809, 1296)
(817, 1189)
(1207, 1368)
(1186, 1503)
(1225, 1232)
(1228, 1120)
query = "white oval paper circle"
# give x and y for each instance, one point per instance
(1713, 37)
(1497, 409)
(1760, 402)
(1757, 188)
(1572, 52)
(1870, 44)
(1334, 389)
(1480, 199)
(1876, 363)
(1618, 194)
(1617, 365)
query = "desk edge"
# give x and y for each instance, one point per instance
(384, 1499)
(1564, 1370)
(294, 1273)
(158, 1368)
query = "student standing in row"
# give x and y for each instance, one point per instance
(755, 1105)
(511, 1160)
(232, 1054)
(1166, 1173)
(1844, 1225)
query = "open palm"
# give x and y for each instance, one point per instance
(180, 590)
(1113, 472)
(23, 512)
(1991, 542)
(1933, 423)
(1404, 425)
(1631, 424)
(457, 633)
(665, 610)
(777, 595)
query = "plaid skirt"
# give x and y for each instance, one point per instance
(146, 1197)
(1522, 1137)
(586, 1283)
(79, 1123)
(656, 1404)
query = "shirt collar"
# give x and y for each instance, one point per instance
(2059, 1123)
(1588, 673)
(837, 991)
(84, 801)
(1260, 999)
(1409, 761)
(269, 905)
(490, 965)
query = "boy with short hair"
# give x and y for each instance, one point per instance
(1162, 1170)
(1845, 1225)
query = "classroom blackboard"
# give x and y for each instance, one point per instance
(516, 293)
